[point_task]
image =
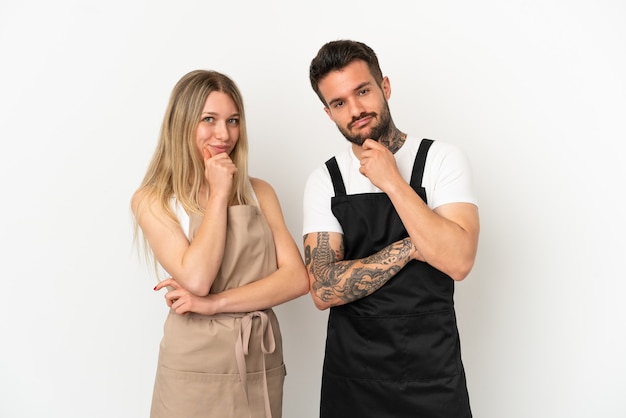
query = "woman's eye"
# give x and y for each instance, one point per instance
(208, 119)
(233, 121)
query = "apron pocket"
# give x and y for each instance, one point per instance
(431, 348)
(400, 348)
(190, 394)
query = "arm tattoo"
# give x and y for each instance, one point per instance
(363, 276)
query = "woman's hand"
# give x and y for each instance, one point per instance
(219, 171)
(182, 301)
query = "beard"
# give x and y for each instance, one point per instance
(382, 128)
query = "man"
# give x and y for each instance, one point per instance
(389, 225)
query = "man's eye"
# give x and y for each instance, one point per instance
(338, 104)
(363, 92)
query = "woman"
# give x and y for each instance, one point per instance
(221, 236)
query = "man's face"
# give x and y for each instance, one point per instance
(356, 104)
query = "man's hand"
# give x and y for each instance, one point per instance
(379, 165)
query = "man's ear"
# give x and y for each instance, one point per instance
(386, 86)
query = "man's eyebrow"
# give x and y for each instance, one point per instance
(357, 88)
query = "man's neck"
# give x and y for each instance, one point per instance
(394, 141)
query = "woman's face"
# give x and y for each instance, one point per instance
(218, 129)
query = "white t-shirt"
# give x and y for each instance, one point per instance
(447, 179)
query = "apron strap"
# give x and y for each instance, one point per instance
(268, 345)
(418, 168)
(335, 175)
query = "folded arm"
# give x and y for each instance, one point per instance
(335, 281)
(287, 282)
(446, 237)
(195, 265)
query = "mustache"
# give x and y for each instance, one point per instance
(361, 116)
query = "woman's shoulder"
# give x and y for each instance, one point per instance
(141, 198)
(261, 186)
(265, 194)
(145, 200)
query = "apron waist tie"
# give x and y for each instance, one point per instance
(268, 345)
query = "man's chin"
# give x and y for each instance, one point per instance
(355, 140)
(359, 138)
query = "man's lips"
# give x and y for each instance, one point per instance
(361, 122)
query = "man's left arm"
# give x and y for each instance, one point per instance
(447, 237)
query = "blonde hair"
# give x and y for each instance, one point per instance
(177, 167)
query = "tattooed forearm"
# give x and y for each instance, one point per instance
(323, 265)
(392, 254)
(363, 282)
(349, 280)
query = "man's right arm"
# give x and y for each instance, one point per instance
(335, 281)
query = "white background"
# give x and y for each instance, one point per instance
(533, 91)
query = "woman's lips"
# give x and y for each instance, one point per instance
(217, 149)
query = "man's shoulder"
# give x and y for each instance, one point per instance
(439, 149)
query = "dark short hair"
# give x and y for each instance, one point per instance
(335, 55)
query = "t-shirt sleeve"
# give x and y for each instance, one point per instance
(317, 214)
(450, 176)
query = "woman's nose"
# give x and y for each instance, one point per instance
(221, 131)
